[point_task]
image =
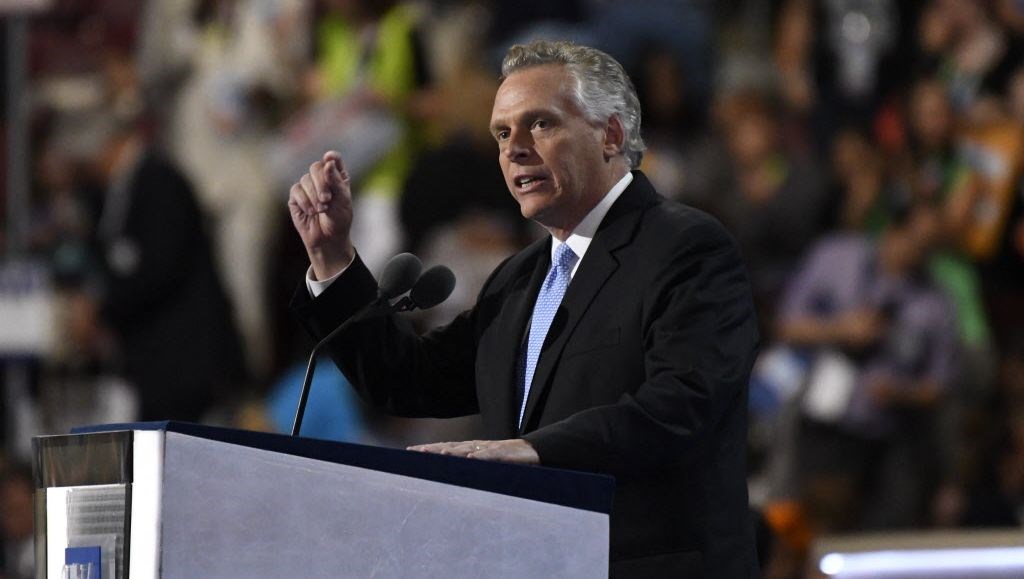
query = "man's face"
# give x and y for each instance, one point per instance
(552, 157)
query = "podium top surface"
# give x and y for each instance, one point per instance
(581, 490)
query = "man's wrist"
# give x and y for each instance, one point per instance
(328, 264)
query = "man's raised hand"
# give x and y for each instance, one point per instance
(320, 204)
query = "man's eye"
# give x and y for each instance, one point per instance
(540, 124)
(501, 135)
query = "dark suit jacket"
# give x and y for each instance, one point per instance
(180, 346)
(643, 375)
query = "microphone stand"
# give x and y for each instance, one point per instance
(429, 289)
(380, 304)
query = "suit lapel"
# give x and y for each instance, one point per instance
(599, 263)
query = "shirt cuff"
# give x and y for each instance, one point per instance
(318, 287)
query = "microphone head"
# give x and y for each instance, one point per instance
(433, 287)
(399, 275)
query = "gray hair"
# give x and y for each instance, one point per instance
(603, 88)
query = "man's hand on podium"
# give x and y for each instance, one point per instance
(515, 450)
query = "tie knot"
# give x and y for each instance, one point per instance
(565, 257)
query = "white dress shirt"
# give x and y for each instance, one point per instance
(580, 238)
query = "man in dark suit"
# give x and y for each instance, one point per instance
(160, 290)
(621, 344)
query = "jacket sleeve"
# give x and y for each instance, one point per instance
(392, 367)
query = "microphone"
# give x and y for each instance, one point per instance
(432, 288)
(400, 275)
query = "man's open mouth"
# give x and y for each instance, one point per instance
(528, 181)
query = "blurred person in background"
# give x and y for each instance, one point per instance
(938, 170)
(961, 168)
(859, 200)
(969, 47)
(158, 288)
(994, 211)
(932, 168)
(882, 355)
(369, 64)
(993, 481)
(838, 62)
(684, 159)
(222, 75)
(78, 381)
(776, 202)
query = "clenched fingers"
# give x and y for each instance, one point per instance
(321, 191)
(299, 202)
(315, 190)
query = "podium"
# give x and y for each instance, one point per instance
(179, 500)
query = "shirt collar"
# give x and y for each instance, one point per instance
(580, 238)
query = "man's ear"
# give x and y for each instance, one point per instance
(614, 137)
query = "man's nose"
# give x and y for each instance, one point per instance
(519, 146)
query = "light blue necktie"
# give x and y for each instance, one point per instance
(544, 309)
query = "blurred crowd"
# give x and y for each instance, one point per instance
(867, 155)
